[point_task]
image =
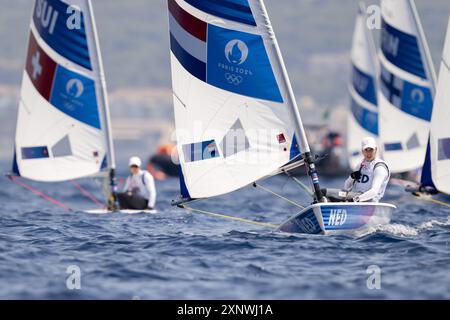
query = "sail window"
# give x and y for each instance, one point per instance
(235, 140)
(413, 142)
(62, 148)
(444, 149)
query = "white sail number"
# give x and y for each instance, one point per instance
(337, 217)
(46, 15)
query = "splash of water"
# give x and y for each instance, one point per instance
(433, 223)
(401, 230)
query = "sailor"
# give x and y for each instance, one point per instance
(139, 191)
(370, 181)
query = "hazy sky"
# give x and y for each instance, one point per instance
(315, 37)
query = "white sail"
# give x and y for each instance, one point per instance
(231, 96)
(440, 129)
(362, 120)
(63, 121)
(407, 86)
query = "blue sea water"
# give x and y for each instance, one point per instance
(175, 254)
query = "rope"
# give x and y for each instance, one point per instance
(224, 216)
(423, 197)
(301, 184)
(40, 194)
(278, 195)
(86, 193)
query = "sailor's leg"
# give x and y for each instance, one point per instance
(124, 200)
(138, 203)
(351, 195)
(335, 195)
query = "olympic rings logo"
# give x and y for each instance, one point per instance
(234, 79)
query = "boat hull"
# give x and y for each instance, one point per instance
(339, 218)
(124, 211)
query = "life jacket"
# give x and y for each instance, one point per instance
(138, 184)
(364, 183)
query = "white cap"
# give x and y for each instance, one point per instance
(368, 142)
(134, 161)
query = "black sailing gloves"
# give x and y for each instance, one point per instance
(356, 175)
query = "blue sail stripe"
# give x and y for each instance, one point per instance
(77, 51)
(241, 6)
(367, 119)
(71, 44)
(242, 3)
(412, 99)
(364, 85)
(194, 66)
(402, 50)
(194, 46)
(238, 11)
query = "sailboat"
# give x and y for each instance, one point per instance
(362, 119)
(436, 169)
(236, 116)
(407, 83)
(63, 125)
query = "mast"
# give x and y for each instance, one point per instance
(104, 102)
(291, 101)
(376, 65)
(423, 45)
(372, 48)
(426, 176)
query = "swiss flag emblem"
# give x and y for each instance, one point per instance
(281, 138)
(40, 68)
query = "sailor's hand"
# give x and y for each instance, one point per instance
(356, 175)
(356, 199)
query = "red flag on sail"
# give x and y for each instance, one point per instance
(40, 68)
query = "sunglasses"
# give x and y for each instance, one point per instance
(134, 166)
(369, 149)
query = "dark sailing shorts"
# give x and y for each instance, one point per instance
(132, 201)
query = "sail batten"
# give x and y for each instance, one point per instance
(232, 110)
(61, 128)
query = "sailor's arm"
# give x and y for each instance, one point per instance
(150, 184)
(380, 174)
(348, 184)
(127, 184)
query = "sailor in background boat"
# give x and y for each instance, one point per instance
(139, 191)
(367, 184)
